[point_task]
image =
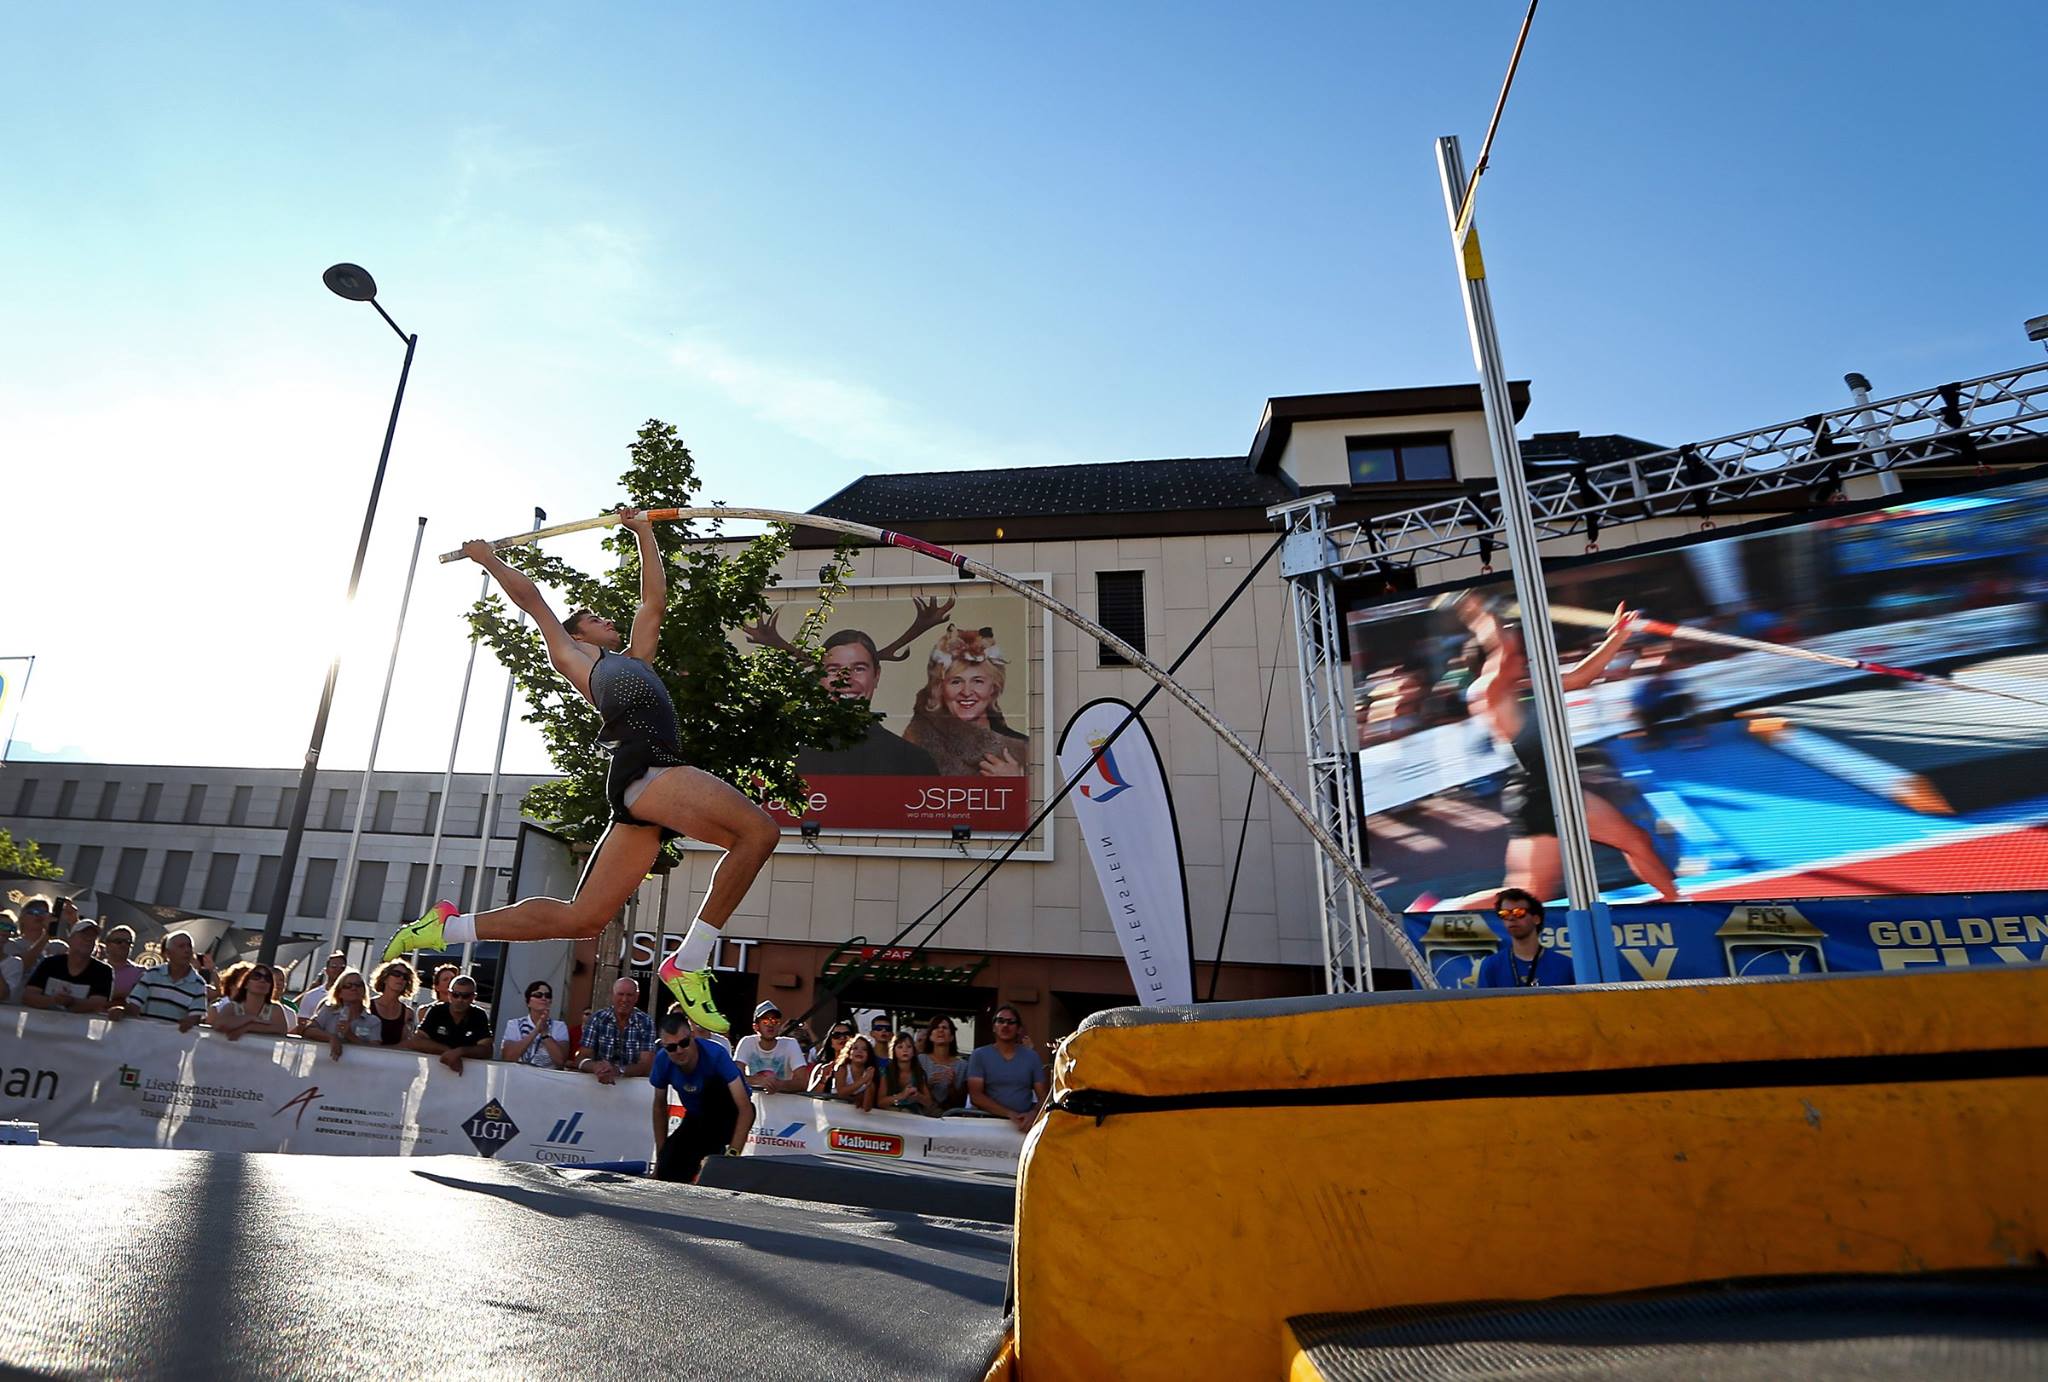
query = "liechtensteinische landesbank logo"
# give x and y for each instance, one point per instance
(490, 1128)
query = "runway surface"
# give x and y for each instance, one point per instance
(161, 1264)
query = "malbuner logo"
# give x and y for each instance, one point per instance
(1106, 765)
(866, 1143)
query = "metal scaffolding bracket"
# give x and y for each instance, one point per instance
(1963, 423)
(1326, 740)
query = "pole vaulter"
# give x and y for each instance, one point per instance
(1263, 770)
(1593, 619)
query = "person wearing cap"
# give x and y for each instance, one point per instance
(774, 1063)
(73, 981)
(36, 941)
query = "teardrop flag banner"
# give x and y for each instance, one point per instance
(1126, 816)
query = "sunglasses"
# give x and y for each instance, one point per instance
(1512, 912)
(1008, 1022)
(540, 993)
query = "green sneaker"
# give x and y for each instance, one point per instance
(692, 988)
(424, 934)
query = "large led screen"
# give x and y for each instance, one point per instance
(1752, 769)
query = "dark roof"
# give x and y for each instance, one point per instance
(1045, 491)
(1282, 413)
(1553, 448)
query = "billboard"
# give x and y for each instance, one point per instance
(952, 682)
(1851, 706)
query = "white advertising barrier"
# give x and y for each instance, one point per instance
(796, 1125)
(94, 1082)
(1435, 760)
(1126, 816)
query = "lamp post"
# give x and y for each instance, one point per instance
(354, 283)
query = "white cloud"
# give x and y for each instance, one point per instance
(850, 419)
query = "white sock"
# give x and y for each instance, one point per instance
(458, 928)
(698, 943)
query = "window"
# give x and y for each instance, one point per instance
(318, 888)
(195, 802)
(433, 820)
(49, 852)
(415, 891)
(336, 815)
(1120, 608)
(26, 797)
(467, 899)
(238, 808)
(1383, 460)
(110, 794)
(220, 876)
(286, 801)
(152, 800)
(88, 865)
(170, 888)
(128, 872)
(387, 812)
(367, 902)
(67, 797)
(265, 886)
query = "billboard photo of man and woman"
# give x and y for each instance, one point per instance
(948, 679)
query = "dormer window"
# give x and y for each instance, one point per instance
(1411, 457)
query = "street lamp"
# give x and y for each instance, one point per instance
(354, 283)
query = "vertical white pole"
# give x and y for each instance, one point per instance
(1592, 943)
(490, 806)
(355, 838)
(448, 775)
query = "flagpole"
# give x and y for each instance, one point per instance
(490, 806)
(448, 774)
(355, 838)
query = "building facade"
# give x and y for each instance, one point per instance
(210, 840)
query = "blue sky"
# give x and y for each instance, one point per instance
(833, 240)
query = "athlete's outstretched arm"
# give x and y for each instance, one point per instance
(563, 650)
(653, 587)
(1587, 669)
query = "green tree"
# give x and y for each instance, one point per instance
(25, 858)
(743, 716)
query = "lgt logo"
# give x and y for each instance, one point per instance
(490, 1128)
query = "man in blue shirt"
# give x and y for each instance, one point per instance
(1525, 962)
(717, 1110)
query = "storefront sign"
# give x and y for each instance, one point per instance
(642, 949)
(856, 959)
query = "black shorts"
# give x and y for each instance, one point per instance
(632, 761)
(682, 1155)
(1525, 800)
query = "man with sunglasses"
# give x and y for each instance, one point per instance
(1006, 1077)
(456, 1030)
(717, 1110)
(1525, 962)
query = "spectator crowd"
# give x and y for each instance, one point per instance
(56, 959)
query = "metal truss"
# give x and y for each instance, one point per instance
(1952, 424)
(1325, 713)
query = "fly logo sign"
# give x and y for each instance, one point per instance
(787, 1138)
(567, 1133)
(864, 1143)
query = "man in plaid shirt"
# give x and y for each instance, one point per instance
(620, 1039)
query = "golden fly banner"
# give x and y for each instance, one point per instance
(1126, 815)
(950, 681)
(138, 1082)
